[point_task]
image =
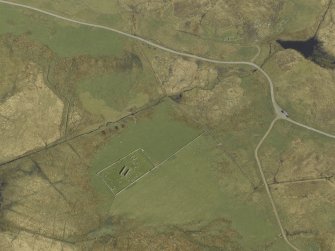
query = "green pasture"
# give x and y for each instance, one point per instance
(156, 131)
(125, 171)
(64, 38)
(116, 94)
(199, 185)
(308, 13)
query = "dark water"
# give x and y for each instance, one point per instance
(312, 50)
(306, 47)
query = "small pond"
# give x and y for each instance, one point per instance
(312, 50)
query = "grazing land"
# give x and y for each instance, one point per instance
(125, 171)
(166, 125)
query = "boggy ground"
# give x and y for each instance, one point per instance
(299, 168)
(78, 99)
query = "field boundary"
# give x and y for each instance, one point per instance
(111, 185)
(280, 113)
(120, 160)
(161, 163)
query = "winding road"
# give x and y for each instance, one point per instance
(310, 128)
(275, 211)
(278, 110)
(148, 42)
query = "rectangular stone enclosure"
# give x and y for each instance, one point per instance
(126, 170)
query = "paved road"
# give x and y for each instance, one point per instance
(274, 208)
(184, 54)
(277, 108)
(310, 128)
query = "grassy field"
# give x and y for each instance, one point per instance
(115, 82)
(62, 37)
(160, 29)
(292, 24)
(123, 172)
(145, 133)
(238, 111)
(199, 185)
(116, 94)
(109, 87)
(206, 192)
(199, 27)
(69, 39)
(9, 65)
